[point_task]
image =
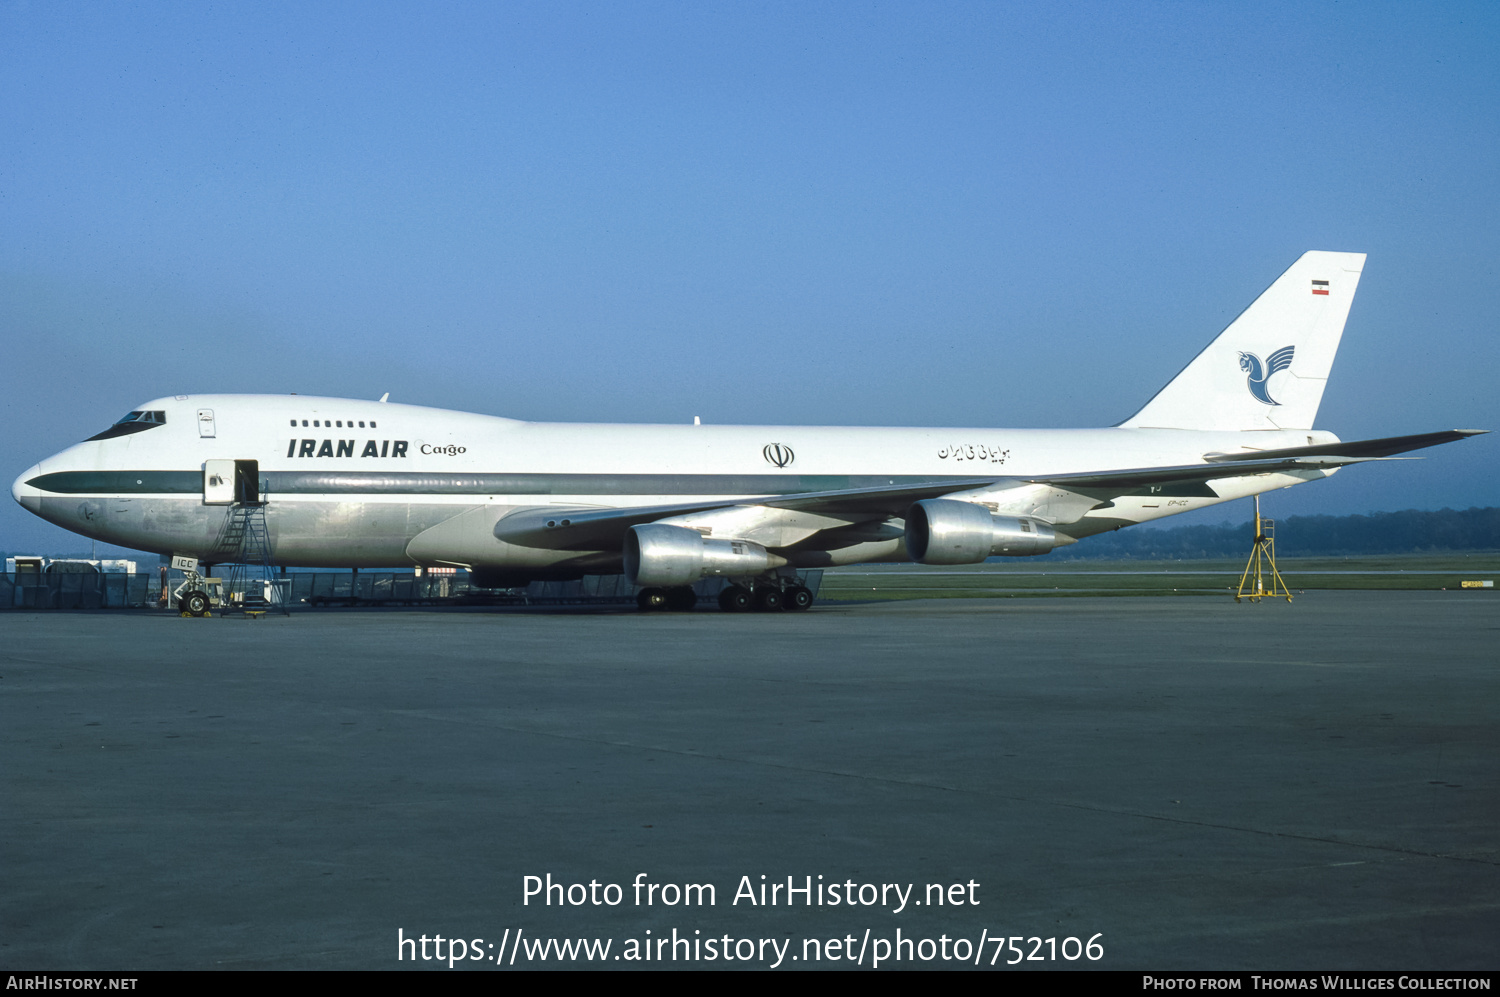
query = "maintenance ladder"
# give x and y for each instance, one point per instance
(244, 542)
(1260, 579)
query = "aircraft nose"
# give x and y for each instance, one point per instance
(29, 497)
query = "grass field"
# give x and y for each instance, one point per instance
(1035, 577)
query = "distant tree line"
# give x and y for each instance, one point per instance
(1411, 531)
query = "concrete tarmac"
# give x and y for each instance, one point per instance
(1189, 783)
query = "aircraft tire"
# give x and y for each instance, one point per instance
(768, 600)
(195, 603)
(797, 598)
(681, 599)
(651, 599)
(736, 599)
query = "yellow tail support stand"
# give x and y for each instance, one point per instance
(1262, 557)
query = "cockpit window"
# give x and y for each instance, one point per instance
(133, 422)
(155, 418)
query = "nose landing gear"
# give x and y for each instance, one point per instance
(194, 604)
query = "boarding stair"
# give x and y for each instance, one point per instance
(244, 542)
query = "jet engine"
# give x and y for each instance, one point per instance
(942, 531)
(658, 554)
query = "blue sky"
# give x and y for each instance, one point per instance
(873, 214)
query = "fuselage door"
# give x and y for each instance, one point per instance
(206, 423)
(218, 481)
(247, 482)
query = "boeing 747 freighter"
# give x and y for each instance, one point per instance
(348, 483)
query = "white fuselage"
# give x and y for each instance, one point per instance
(357, 483)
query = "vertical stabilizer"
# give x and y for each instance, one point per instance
(1268, 369)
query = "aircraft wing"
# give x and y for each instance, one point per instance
(1125, 481)
(1357, 448)
(604, 529)
(1227, 465)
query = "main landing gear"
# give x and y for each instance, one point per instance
(764, 598)
(734, 598)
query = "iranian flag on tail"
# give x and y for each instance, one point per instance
(1320, 287)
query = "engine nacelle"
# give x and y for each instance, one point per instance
(942, 531)
(657, 554)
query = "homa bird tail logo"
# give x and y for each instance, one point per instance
(1257, 377)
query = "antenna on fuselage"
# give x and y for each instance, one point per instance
(384, 397)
